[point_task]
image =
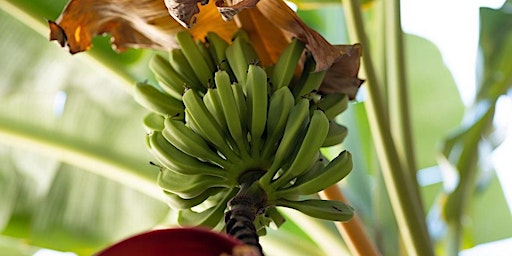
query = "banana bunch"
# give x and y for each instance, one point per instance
(217, 118)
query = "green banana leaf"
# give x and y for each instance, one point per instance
(462, 150)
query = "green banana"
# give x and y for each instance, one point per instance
(281, 103)
(312, 83)
(180, 64)
(333, 104)
(194, 57)
(176, 202)
(337, 133)
(176, 160)
(153, 122)
(187, 186)
(217, 48)
(191, 143)
(199, 118)
(153, 99)
(239, 55)
(323, 209)
(312, 171)
(230, 109)
(295, 124)
(211, 100)
(241, 103)
(284, 69)
(257, 103)
(323, 178)
(311, 144)
(205, 52)
(310, 80)
(168, 79)
(209, 217)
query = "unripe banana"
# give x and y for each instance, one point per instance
(217, 48)
(212, 102)
(168, 79)
(230, 109)
(203, 49)
(257, 102)
(176, 202)
(201, 120)
(194, 57)
(310, 80)
(325, 177)
(322, 209)
(239, 55)
(209, 217)
(174, 159)
(151, 98)
(187, 186)
(333, 104)
(282, 72)
(153, 122)
(281, 103)
(180, 64)
(241, 105)
(191, 143)
(312, 83)
(297, 120)
(337, 133)
(311, 144)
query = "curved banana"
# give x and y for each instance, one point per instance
(191, 143)
(180, 64)
(257, 103)
(199, 118)
(322, 209)
(283, 70)
(194, 57)
(153, 122)
(205, 52)
(168, 79)
(209, 217)
(323, 178)
(176, 202)
(333, 104)
(217, 47)
(174, 159)
(311, 144)
(230, 109)
(337, 133)
(151, 98)
(310, 80)
(241, 103)
(187, 186)
(239, 55)
(281, 103)
(297, 120)
(211, 100)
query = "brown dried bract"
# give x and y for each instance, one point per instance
(184, 11)
(148, 24)
(341, 77)
(228, 12)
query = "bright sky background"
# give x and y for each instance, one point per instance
(453, 26)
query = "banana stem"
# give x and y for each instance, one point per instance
(403, 194)
(400, 125)
(243, 208)
(352, 231)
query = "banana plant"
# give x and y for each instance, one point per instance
(48, 215)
